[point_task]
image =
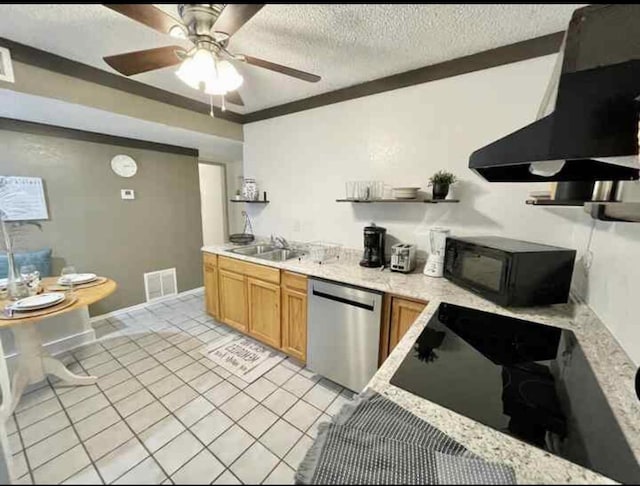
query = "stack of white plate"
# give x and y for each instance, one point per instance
(37, 302)
(405, 192)
(77, 279)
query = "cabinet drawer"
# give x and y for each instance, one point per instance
(294, 281)
(260, 272)
(209, 259)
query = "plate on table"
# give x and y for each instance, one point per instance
(77, 278)
(37, 302)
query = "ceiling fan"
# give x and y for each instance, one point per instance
(208, 64)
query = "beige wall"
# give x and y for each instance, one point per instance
(93, 229)
(41, 82)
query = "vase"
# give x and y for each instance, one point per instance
(440, 190)
(16, 289)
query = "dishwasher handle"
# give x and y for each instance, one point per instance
(342, 300)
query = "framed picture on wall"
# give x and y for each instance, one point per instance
(23, 199)
(6, 68)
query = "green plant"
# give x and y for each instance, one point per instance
(443, 177)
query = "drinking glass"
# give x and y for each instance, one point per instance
(30, 277)
(364, 190)
(377, 190)
(351, 189)
(66, 278)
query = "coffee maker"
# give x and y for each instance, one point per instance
(373, 246)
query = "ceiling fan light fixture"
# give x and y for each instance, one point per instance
(227, 79)
(203, 70)
(197, 69)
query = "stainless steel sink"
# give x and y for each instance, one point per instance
(253, 250)
(280, 255)
(268, 252)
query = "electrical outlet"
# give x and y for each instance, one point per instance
(127, 194)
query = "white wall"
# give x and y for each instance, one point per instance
(402, 137)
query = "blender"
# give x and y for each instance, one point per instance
(437, 244)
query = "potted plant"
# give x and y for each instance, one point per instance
(440, 181)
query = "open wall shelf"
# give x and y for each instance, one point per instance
(623, 212)
(551, 202)
(626, 212)
(421, 201)
(247, 201)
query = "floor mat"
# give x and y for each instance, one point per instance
(243, 357)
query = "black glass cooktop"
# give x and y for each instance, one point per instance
(525, 379)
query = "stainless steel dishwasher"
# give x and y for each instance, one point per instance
(343, 332)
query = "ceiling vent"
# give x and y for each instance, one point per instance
(160, 284)
(6, 67)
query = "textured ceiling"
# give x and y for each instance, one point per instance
(345, 44)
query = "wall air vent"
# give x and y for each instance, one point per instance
(6, 67)
(159, 284)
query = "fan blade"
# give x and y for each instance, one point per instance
(234, 16)
(254, 61)
(235, 98)
(146, 14)
(142, 61)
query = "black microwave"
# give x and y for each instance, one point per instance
(510, 272)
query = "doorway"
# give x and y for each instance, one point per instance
(213, 203)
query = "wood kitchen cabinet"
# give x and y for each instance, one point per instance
(211, 293)
(264, 311)
(258, 300)
(398, 316)
(294, 315)
(404, 313)
(233, 299)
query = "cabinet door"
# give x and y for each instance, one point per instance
(403, 314)
(294, 324)
(211, 290)
(233, 300)
(264, 311)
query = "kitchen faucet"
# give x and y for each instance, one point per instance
(280, 242)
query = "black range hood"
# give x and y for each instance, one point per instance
(588, 125)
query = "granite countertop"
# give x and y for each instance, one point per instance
(611, 365)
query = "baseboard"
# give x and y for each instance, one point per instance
(61, 345)
(142, 305)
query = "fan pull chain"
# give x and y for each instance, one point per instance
(211, 106)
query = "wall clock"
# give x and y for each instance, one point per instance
(124, 166)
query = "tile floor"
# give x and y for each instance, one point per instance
(162, 413)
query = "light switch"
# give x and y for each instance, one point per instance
(127, 194)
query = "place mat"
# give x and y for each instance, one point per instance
(67, 302)
(57, 287)
(243, 357)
